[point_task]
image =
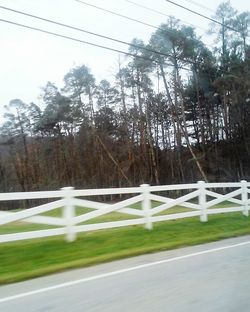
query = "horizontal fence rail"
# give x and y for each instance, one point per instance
(146, 205)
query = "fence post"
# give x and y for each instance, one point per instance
(244, 197)
(68, 214)
(146, 206)
(202, 200)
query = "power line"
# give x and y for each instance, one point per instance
(86, 42)
(73, 39)
(200, 5)
(91, 33)
(161, 13)
(117, 14)
(127, 17)
(204, 16)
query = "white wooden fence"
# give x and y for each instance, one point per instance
(200, 200)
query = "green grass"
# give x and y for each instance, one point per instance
(31, 258)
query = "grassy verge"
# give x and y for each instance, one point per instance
(27, 259)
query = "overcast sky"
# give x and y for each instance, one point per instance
(29, 59)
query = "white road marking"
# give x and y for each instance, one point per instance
(138, 267)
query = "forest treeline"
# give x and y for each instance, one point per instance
(179, 115)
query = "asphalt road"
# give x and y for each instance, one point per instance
(210, 277)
